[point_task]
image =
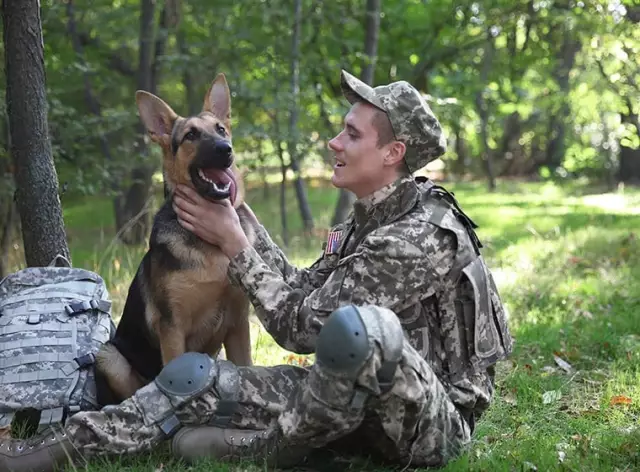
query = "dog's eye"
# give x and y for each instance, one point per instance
(220, 129)
(191, 135)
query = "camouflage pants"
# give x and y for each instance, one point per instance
(415, 422)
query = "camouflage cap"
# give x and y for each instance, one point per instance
(412, 120)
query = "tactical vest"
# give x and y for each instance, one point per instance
(53, 321)
(464, 330)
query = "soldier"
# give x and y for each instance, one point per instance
(400, 310)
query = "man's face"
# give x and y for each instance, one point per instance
(360, 165)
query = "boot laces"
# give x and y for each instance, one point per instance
(20, 445)
(261, 443)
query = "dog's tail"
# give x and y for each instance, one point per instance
(122, 379)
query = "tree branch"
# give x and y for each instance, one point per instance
(114, 59)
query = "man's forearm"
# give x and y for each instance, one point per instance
(276, 302)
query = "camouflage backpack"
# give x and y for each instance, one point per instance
(53, 320)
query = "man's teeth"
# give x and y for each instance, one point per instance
(224, 188)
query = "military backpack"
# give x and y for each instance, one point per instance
(53, 321)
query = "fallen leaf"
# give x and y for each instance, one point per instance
(5, 432)
(551, 396)
(564, 365)
(528, 466)
(510, 399)
(587, 314)
(561, 456)
(620, 400)
(159, 468)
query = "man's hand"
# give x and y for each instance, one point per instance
(214, 222)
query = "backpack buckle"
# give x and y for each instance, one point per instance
(80, 307)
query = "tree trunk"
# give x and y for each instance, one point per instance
(133, 219)
(372, 30)
(461, 150)
(557, 127)
(283, 197)
(301, 193)
(36, 179)
(483, 112)
(629, 170)
(90, 99)
(193, 101)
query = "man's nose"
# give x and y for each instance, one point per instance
(334, 144)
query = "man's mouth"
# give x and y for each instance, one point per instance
(216, 184)
(339, 164)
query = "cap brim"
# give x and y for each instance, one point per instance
(355, 89)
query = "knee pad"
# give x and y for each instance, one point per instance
(181, 380)
(186, 375)
(347, 339)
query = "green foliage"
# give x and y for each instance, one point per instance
(438, 46)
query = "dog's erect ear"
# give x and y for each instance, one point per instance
(156, 115)
(218, 99)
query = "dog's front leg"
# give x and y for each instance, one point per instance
(172, 341)
(237, 342)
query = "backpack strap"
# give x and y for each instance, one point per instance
(6, 419)
(49, 417)
(60, 261)
(447, 201)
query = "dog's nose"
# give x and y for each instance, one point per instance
(223, 148)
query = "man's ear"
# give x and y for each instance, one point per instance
(217, 100)
(395, 153)
(157, 117)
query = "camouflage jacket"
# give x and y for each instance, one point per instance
(404, 248)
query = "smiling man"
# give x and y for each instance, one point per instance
(400, 310)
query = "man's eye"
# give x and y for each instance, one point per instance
(220, 129)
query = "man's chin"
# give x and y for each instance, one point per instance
(336, 181)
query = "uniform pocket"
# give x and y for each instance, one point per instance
(485, 323)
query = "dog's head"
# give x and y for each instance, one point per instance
(197, 149)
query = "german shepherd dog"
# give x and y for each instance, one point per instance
(180, 299)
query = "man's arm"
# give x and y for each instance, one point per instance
(304, 279)
(387, 270)
(272, 255)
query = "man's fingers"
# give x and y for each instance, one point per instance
(185, 205)
(183, 214)
(186, 225)
(189, 194)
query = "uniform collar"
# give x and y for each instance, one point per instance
(388, 203)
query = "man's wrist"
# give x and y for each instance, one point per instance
(236, 246)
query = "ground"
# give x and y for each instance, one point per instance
(567, 262)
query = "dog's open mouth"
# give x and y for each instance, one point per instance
(216, 184)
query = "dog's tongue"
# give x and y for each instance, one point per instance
(222, 178)
(218, 176)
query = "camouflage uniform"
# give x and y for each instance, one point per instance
(407, 249)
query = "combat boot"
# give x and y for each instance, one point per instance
(193, 443)
(47, 452)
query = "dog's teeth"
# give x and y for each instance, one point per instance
(201, 174)
(222, 189)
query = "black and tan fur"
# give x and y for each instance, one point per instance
(180, 299)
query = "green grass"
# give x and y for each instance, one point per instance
(567, 261)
